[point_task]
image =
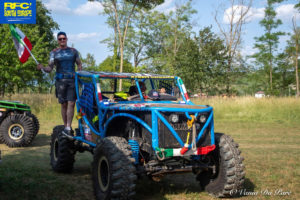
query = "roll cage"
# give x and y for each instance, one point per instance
(93, 107)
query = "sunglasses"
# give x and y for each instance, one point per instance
(62, 39)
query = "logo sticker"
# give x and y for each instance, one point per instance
(18, 12)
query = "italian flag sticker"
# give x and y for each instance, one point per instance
(184, 90)
(20, 40)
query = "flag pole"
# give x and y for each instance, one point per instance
(30, 52)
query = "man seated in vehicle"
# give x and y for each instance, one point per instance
(161, 94)
(134, 92)
(162, 90)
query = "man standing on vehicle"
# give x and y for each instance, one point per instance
(64, 58)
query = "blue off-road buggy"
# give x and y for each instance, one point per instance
(150, 127)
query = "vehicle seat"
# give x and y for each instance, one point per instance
(132, 90)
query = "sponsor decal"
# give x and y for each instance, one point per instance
(17, 11)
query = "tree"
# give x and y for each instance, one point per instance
(180, 27)
(138, 38)
(267, 44)
(15, 76)
(89, 63)
(297, 6)
(251, 82)
(293, 51)
(296, 40)
(7, 61)
(159, 37)
(200, 61)
(155, 33)
(122, 14)
(283, 77)
(107, 65)
(236, 17)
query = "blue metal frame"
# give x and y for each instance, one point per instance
(104, 107)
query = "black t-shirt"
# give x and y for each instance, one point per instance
(64, 59)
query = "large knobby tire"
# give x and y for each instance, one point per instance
(113, 172)
(62, 151)
(35, 122)
(17, 130)
(229, 176)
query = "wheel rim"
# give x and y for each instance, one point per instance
(16, 131)
(103, 173)
(55, 149)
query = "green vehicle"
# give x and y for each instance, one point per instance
(18, 126)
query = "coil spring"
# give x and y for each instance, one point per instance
(135, 150)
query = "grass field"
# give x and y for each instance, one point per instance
(267, 130)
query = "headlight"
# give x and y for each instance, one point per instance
(174, 118)
(0, 114)
(202, 118)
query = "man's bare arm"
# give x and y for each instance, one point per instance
(47, 69)
(79, 64)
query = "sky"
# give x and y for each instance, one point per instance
(85, 25)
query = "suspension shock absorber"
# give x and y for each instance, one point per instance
(135, 150)
(133, 143)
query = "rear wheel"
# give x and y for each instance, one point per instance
(62, 151)
(35, 122)
(228, 177)
(113, 172)
(17, 131)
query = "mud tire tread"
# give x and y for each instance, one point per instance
(36, 123)
(22, 120)
(64, 160)
(122, 171)
(231, 172)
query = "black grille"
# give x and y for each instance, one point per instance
(180, 126)
(166, 138)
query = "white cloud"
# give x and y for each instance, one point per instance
(73, 38)
(237, 10)
(248, 51)
(256, 13)
(58, 6)
(168, 10)
(62, 7)
(89, 8)
(286, 12)
(84, 36)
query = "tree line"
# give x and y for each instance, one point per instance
(146, 40)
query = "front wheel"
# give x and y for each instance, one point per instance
(62, 151)
(113, 172)
(17, 131)
(229, 169)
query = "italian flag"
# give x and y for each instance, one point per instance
(21, 42)
(184, 151)
(184, 90)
